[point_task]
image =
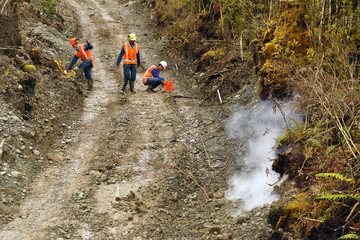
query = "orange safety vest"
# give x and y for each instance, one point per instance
(148, 73)
(83, 55)
(129, 56)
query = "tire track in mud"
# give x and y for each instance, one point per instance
(151, 128)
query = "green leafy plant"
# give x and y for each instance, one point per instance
(28, 68)
(342, 199)
(49, 7)
(281, 139)
(334, 197)
(330, 150)
(340, 196)
(328, 212)
(337, 176)
(302, 134)
(350, 236)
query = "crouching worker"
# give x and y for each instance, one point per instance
(82, 51)
(152, 78)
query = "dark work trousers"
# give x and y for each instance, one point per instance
(86, 66)
(154, 82)
(129, 74)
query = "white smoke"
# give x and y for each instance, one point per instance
(258, 127)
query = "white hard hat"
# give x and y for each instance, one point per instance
(164, 64)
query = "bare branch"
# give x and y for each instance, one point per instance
(352, 211)
(2, 10)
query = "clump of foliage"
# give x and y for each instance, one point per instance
(349, 236)
(326, 76)
(343, 198)
(28, 68)
(293, 211)
(193, 24)
(49, 7)
(287, 36)
(331, 103)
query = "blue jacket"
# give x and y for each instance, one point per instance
(155, 73)
(75, 58)
(155, 80)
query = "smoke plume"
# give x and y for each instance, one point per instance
(257, 128)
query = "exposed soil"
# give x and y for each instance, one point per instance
(9, 32)
(101, 183)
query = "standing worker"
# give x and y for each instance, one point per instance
(131, 56)
(82, 51)
(152, 78)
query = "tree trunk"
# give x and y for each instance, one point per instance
(222, 21)
(321, 27)
(241, 47)
(330, 9)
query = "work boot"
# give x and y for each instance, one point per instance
(132, 83)
(90, 84)
(150, 88)
(124, 86)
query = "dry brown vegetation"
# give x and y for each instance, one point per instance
(310, 49)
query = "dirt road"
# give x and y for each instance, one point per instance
(50, 204)
(100, 187)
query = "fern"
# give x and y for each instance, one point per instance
(299, 133)
(333, 197)
(298, 125)
(330, 150)
(355, 196)
(336, 197)
(329, 211)
(349, 236)
(315, 143)
(337, 176)
(302, 133)
(281, 138)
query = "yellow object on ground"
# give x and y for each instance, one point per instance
(70, 73)
(58, 65)
(67, 73)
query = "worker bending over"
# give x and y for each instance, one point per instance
(82, 51)
(131, 56)
(152, 78)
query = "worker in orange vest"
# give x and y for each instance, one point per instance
(82, 51)
(131, 58)
(152, 78)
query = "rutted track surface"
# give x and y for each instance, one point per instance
(103, 189)
(50, 203)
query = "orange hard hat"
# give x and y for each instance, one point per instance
(73, 41)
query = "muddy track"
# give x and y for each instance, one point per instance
(49, 204)
(116, 132)
(103, 185)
